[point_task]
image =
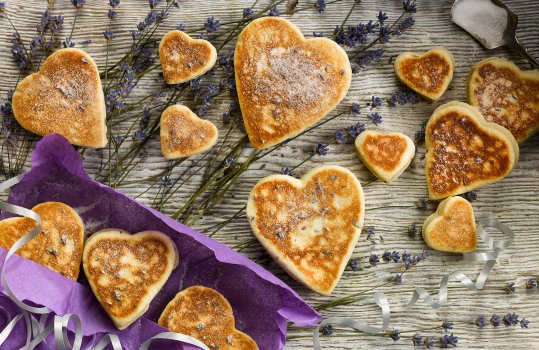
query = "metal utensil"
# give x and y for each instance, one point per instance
(491, 23)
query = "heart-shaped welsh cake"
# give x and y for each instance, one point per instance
(64, 97)
(183, 133)
(309, 226)
(285, 82)
(386, 155)
(464, 151)
(58, 246)
(506, 95)
(183, 58)
(452, 227)
(203, 313)
(127, 271)
(428, 74)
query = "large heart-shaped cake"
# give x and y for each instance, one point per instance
(64, 97)
(464, 151)
(285, 82)
(506, 95)
(428, 74)
(58, 246)
(203, 313)
(183, 58)
(127, 271)
(309, 226)
(452, 228)
(386, 155)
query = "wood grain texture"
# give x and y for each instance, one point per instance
(390, 208)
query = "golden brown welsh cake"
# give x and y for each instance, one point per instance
(203, 313)
(183, 133)
(452, 228)
(58, 246)
(506, 95)
(309, 226)
(428, 74)
(285, 82)
(183, 58)
(386, 155)
(464, 151)
(126, 271)
(64, 97)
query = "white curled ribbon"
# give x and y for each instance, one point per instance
(495, 248)
(38, 331)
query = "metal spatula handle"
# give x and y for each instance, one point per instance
(515, 45)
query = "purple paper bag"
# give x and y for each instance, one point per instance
(261, 302)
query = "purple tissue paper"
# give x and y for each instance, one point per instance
(261, 302)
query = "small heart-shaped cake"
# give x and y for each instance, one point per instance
(428, 74)
(386, 155)
(464, 151)
(452, 227)
(506, 95)
(64, 97)
(309, 226)
(127, 271)
(183, 58)
(203, 313)
(285, 82)
(183, 133)
(58, 246)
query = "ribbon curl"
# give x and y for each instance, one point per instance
(495, 248)
(38, 331)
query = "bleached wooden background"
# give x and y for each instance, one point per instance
(390, 208)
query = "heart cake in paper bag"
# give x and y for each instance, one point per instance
(428, 74)
(58, 246)
(126, 271)
(506, 95)
(58, 174)
(285, 82)
(464, 151)
(452, 228)
(64, 97)
(203, 313)
(309, 226)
